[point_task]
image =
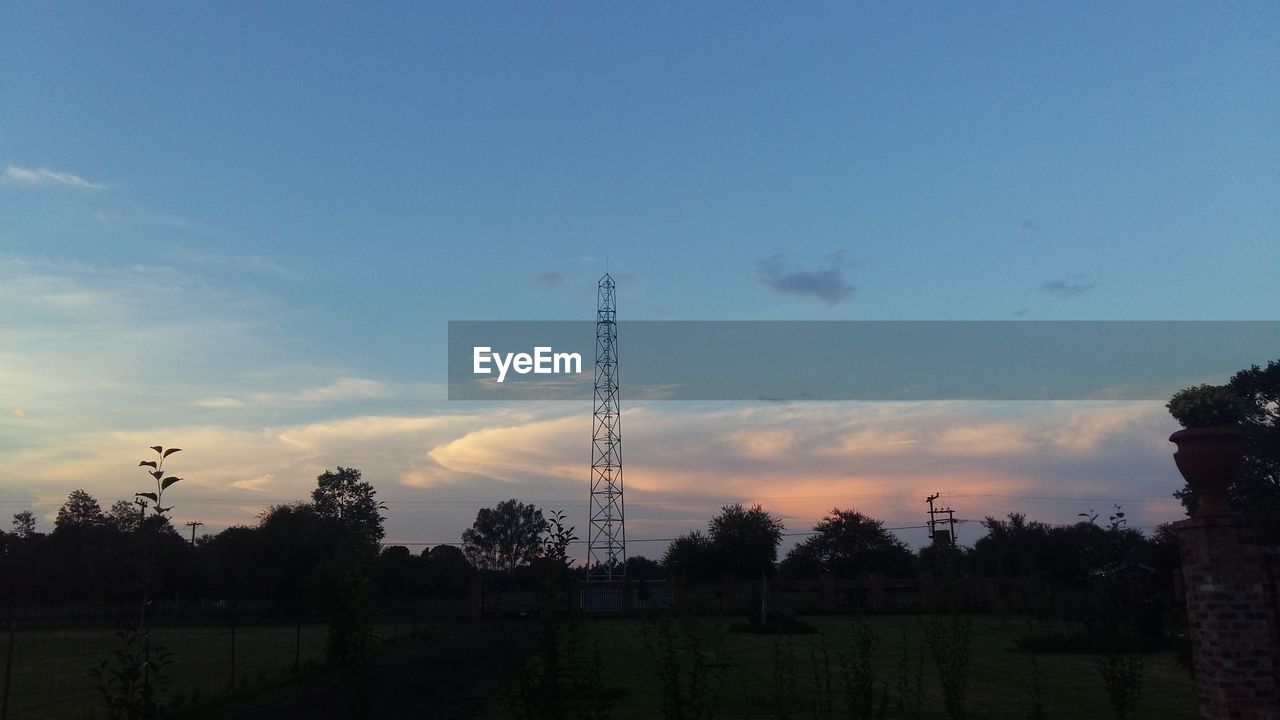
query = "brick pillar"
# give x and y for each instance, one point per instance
(1232, 619)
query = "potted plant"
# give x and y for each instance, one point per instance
(1211, 444)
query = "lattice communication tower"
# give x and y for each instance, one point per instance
(607, 537)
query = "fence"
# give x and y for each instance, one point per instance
(213, 647)
(827, 595)
(495, 596)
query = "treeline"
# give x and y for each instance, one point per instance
(293, 554)
(744, 542)
(298, 556)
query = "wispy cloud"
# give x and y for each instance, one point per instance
(341, 390)
(549, 280)
(827, 285)
(799, 460)
(1063, 290)
(258, 483)
(15, 175)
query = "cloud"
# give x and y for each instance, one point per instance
(43, 176)
(220, 402)
(1063, 290)
(802, 459)
(341, 390)
(682, 462)
(826, 285)
(549, 280)
(347, 388)
(255, 483)
(84, 342)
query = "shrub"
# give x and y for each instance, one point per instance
(1207, 406)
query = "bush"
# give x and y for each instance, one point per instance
(1207, 406)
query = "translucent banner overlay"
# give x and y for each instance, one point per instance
(857, 360)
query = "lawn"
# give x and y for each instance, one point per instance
(754, 674)
(51, 669)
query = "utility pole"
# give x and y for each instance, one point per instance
(142, 508)
(940, 537)
(193, 525)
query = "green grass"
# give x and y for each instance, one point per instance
(51, 669)
(999, 686)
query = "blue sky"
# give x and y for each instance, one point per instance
(233, 222)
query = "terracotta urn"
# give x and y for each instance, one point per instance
(1209, 460)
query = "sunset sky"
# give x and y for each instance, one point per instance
(242, 228)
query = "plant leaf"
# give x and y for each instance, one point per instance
(170, 451)
(156, 474)
(157, 448)
(151, 463)
(152, 496)
(169, 481)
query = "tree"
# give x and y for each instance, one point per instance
(849, 544)
(343, 496)
(1017, 547)
(296, 544)
(124, 515)
(640, 567)
(504, 537)
(690, 555)
(745, 540)
(447, 570)
(24, 524)
(80, 510)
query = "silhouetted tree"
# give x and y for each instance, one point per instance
(447, 570)
(124, 515)
(1017, 547)
(689, 555)
(504, 537)
(343, 496)
(400, 571)
(81, 509)
(24, 524)
(640, 567)
(296, 544)
(745, 540)
(849, 544)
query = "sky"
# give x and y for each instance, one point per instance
(242, 228)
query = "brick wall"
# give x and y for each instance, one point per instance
(1231, 608)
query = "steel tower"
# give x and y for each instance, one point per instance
(607, 537)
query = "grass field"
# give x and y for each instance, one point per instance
(51, 671)
(750, 682)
